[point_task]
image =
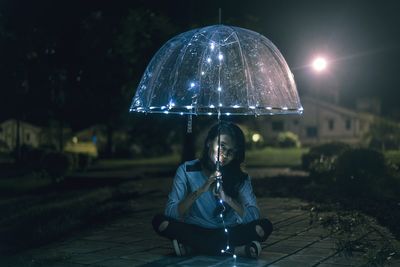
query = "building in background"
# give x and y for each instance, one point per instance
(321, 122)
(45, 137)
(29, 134)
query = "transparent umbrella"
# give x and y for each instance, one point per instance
(218, 70)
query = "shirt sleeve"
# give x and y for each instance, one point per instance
(249, 202)
(178, 192)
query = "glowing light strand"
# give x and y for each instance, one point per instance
(219, 177)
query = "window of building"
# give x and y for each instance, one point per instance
(312, 131)
(331, 124)
(295, 122)
(277, 126)
(348, 124)
(363, 126)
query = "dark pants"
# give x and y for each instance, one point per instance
(211, 241)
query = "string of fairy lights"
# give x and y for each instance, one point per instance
(219, 177)
(220, 201)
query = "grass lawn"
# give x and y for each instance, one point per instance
(393, 156)
(267, 157)
(275, 157)
(23, 184)
(170, 160)
(31, 216)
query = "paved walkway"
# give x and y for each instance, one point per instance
(130, 241)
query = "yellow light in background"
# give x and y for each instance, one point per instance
(256, 137)
(75, 140)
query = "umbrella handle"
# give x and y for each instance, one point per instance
(217, 187)
(189, 124)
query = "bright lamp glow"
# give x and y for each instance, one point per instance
(256, 137)
(319, 64)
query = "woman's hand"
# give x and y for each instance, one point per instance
(221, 194)
(211, 179)
(237, 206)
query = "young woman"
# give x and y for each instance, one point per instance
(192, 218)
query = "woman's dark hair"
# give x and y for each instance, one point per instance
(232, 173)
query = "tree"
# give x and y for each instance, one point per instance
(142, 33)
(384, 134)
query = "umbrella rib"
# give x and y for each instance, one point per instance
(244, 61)
(283, 67)
(156, 73)
(201, 68)
(226, 44)
(233, 33)
(180, 59)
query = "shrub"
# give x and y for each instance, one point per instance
(56, 164)
(320, 160)
(384, 134)
(31, 158)
(4, 147)
(288, 139)
(84, 161)
(361, 172)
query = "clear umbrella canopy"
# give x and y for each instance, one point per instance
(218, 70)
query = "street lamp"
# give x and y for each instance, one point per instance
(319, 64)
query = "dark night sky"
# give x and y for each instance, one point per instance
(361, 39)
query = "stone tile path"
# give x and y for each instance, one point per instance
(130, 241)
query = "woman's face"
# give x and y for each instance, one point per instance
(227, 151)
